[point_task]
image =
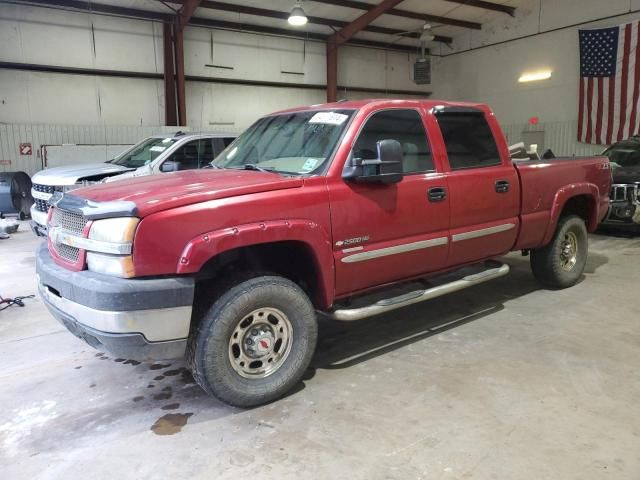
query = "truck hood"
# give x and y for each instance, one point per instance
(74, 173)
(626, 174)
(171, 190)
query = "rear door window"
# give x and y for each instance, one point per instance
(194, 154)
(468, 139)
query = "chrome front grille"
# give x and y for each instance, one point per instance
(72, 222)
(71, 254)
(43, 188)
(42, 205)
(624, 193)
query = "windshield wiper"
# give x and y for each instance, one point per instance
(211, 165)
(253, 166)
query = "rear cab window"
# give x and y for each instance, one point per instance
(468, 139)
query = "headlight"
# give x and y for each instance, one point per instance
(114, 230)
(112, 235)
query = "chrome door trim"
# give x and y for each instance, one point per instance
(396, 249)
(482, 232)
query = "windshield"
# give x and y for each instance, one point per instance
(624, 155)
(291, 143)
(143, 153)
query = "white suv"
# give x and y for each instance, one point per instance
(157, 154)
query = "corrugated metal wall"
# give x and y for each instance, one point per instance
(12, 135)
(560, 137)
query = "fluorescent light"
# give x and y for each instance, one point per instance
(535, 76)
(297, 16)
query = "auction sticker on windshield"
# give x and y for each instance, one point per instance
(157, 148)
(330, 118)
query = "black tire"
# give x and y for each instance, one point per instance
(211, 345)
(550, 264)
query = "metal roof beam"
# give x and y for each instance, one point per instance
(425, 17)
(496, 7)
(186, 12)
(263, 12)
(103, 9)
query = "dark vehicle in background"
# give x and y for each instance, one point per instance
(624, 157)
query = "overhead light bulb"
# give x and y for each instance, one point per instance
(535, 76)
(297, 16)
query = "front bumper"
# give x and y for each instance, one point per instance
(623, 213)
(38, 222)
(140, 319)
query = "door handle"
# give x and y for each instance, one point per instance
(437, 194)
(502, 186)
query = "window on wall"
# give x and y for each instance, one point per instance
(406, 127)
(468, 139)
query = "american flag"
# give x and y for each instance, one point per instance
(609, 106)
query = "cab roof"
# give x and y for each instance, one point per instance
(387, 102)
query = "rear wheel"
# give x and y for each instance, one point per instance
(560, 264)
(255, 342)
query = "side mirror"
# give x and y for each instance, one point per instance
(170, 166)
(385, 169)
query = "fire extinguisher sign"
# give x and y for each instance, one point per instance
(25, 149)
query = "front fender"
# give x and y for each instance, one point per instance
(204, 247)
(560, 199)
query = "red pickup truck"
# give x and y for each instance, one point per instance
(314, 209)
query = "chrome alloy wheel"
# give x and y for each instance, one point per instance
(260, 343)
(569, 252)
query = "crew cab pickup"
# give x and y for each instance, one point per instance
(315, 210)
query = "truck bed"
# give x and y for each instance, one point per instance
(543, 184)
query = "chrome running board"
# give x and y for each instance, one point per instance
(388, 304)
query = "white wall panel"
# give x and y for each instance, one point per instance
(124, 44)
(132, 101)
(45, 36)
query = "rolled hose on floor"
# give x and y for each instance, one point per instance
(15, 194)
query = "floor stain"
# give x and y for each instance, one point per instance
(162, 396)
(119, 360)
(131, 362)
(138, 398)
(171, 373)
(159, 366)
(187, 377)
(93, 385)
(171, 406)
(158, 378)
(167, 389)
(170, 424)
(78, 367)
(99, 354)
(151, 385)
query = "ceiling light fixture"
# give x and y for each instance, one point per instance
(535, 76)
(297, 16)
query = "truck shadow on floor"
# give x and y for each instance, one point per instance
(619, 232)
(343, 345)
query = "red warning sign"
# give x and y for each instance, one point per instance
(25, 149)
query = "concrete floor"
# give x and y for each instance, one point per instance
(503, 381)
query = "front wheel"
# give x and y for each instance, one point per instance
(560, 264)
(255, 342)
